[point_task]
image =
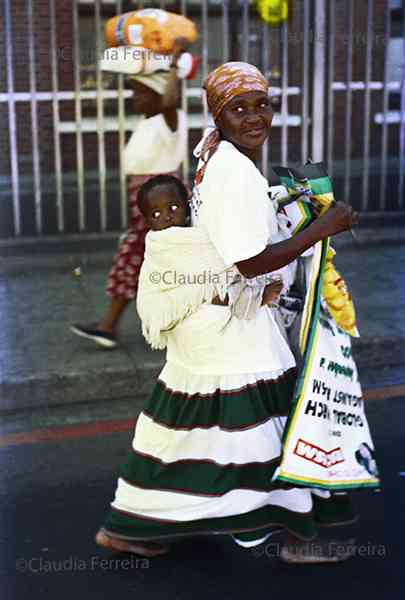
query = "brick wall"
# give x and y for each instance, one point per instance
(43, 72)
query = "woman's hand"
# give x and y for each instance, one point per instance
(181, 45)
(272, 292)
(340, 217)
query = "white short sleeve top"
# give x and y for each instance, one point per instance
(154, 148)
(233, 204)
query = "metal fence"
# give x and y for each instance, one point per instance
(312, 125)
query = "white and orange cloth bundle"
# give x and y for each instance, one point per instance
(141, 43)
(151, 28)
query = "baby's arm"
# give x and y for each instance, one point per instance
(247, 296)
(272, 292)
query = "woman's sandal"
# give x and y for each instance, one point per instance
(317, 552)
(145, 549)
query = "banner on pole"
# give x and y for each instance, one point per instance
(327, 442)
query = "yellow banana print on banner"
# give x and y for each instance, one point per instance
(322, 202)
(273, 12)
(338, 298)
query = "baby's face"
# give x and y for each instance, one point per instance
(164, 209)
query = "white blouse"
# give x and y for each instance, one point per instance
(154, 148)
(233, 205)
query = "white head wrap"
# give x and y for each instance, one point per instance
(156, 81)
(147, 67)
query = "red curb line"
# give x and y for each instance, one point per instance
(64, 433)
(55, 434)
(389, 391)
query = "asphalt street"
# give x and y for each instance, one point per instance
(55, 492)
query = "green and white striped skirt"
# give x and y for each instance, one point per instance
(202, 459)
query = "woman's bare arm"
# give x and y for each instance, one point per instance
(337, 219)
(172, 96)
(171, 100)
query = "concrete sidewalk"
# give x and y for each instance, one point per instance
(43, 364)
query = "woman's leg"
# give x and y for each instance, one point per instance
(123, 276)
(110, 321)
(121, 289)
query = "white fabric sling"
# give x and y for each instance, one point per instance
(181, 271)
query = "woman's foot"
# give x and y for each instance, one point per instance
(297, 552)
(146, 549)
(103, 338)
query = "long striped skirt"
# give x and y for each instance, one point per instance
(203, 455)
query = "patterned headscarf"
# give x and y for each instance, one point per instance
(222, 85)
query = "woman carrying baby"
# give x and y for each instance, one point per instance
(207, 444)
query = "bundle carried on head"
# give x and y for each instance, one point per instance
(153, 29)
(143, 42)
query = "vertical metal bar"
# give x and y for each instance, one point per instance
(56, 120)
(100, 120)
(78, 117)
(12, 120)
(367, 105)
(265, 69)
(121, 143)
(331, 96)
(34, 120)
(225, 31)
(348, 116)
(284, 95)
(205, 54)
(318, 89)
(245, 30)
(121, 146)
(184, 106)
(401, 191)
(384, 132)
(305, 80)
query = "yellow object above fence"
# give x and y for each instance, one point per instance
(273, 12)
